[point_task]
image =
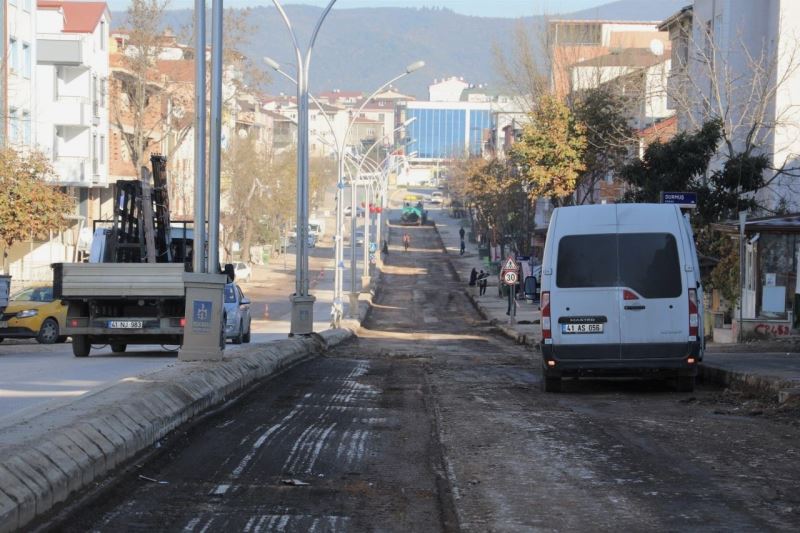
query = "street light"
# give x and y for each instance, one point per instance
(354, 193)
(302, 302)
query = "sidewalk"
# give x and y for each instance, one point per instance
(771, 369)
(526, 330)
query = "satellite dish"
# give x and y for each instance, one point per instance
(657, 47)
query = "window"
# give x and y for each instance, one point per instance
(26, 128)
(648, 263)
(102, 35)
(230, 294)
(13, 47)
(102, 147)
(13, 124)
(587, 261)
(26, 60)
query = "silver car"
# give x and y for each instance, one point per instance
(237, 314)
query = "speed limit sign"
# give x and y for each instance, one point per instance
(510, 277)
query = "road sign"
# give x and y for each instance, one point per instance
(510, 264)
(686, 200)
(510, 277)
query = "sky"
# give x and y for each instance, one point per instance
(481, 8)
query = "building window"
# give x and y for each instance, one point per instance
(26, 60)
(26, 128)
(13, 124)
(102, 147)
(381, 116)
(13, 52)
(102, 35)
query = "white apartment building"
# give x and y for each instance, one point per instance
(18, 72)
(740, 59)
(71, 96)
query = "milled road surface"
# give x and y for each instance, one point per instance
(432, 422)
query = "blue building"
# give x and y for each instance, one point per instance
(448, 130)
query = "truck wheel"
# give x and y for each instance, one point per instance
(118, 347)
(81, 345)
(551, 384)
(684, 383)
(239, 338)
(48, 333)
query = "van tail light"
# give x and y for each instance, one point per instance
(694, 319)
(182, 322)
(546, 331)
(629, 295)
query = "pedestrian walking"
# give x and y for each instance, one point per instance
(473, 278)
(406, 241)
(463, 247)
(461, 233)
(385, 247)
(482, 277)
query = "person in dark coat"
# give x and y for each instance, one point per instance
(461, 233)
(482, 283)
(473, 278)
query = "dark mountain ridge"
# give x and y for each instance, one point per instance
(359, 49)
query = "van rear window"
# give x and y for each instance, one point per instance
(648, 263)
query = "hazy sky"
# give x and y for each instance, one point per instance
(483, 8)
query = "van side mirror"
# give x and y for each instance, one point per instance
(245, 301)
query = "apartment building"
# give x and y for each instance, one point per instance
(18, 27)
(72, 118)
(740, 60)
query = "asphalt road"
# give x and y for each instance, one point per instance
(430, 421)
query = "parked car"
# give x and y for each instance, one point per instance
(237, 314)
(243, 272)
(33, 313)
(437, 197)
(359, 238)
(621, 294)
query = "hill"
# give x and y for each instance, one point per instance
(359, 49)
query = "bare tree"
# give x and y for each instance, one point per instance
(745, 87)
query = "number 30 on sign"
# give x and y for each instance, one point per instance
(509, 278)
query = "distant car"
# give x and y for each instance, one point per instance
(237, 314)
(359, 238)
(33, 313)
(437, 197)
(243, 272)
(348, 211)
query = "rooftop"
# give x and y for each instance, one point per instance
(79, 17)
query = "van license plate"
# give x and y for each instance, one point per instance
(125, 324)
(581, 328)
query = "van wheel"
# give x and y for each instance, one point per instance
(684, 383)
(551, 384)
(118, 347)
(81, 345)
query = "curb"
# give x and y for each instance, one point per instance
(74, 445)
(780, 389)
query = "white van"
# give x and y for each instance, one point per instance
(621, 294)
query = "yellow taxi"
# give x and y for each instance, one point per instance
(34, 313)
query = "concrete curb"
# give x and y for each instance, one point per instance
(57, 453)
(782, 390)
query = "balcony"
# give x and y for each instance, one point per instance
(71, 170)
(74, 111)
(58, 49)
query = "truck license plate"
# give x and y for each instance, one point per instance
(125, 324)
(582, 328)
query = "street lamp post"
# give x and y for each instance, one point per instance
(353, 193)
(302, 302)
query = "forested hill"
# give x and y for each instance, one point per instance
(359, 49)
